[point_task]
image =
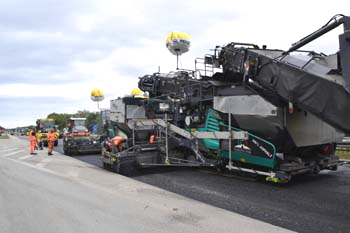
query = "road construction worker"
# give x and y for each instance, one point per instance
(32, 140)
(118, 141)
(107, 145)
(51, 138)
(152, 139)
(38, 140)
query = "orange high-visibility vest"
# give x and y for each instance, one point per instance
(51, 136)
(117, 140)
(152, 139)
(31, 136)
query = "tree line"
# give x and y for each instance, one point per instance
(92, 118)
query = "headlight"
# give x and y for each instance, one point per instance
(164, 106)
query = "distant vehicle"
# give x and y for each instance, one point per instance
(45, 125)
(78, 140)
(2, 131)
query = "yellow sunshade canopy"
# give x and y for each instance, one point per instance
(178, 43)
(97, 95)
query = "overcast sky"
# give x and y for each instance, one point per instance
(53, 53)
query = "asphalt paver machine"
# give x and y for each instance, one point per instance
(152, 140)
(266, 112)
(78, 140)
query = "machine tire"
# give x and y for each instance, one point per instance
(69, 151)
(65, 151)
(72, 152)
(115, 167)
(107, 166)
(315, 170)
(126, 168)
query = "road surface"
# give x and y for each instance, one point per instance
(41, 193)
(307, 204)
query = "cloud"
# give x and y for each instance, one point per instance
(61, 50)
(23, 111)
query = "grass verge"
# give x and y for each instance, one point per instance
(4, 137)
(343, 154)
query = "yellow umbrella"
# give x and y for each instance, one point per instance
(97, 95)
(178, 43)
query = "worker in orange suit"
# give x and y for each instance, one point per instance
(118, 142)
(32, 140)
(51, 138)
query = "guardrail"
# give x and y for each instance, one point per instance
(343, 147)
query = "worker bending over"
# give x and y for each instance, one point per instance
(118, 141)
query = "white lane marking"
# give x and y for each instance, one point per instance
(35, 166)
(73, 173)
(63, 175)
(25, 157)
(8, 149)
(42, 163)
(13, 153)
